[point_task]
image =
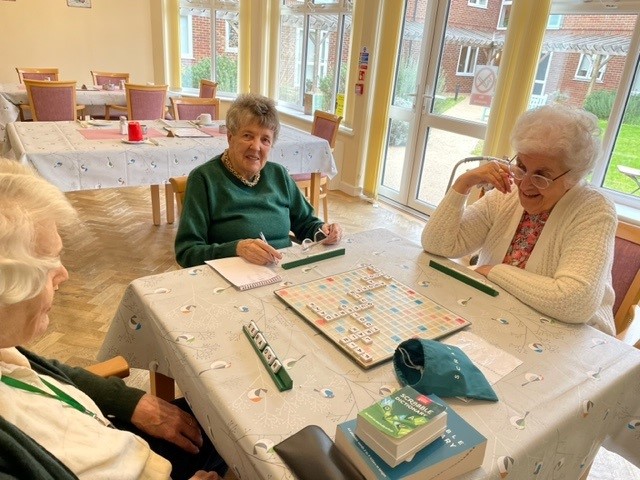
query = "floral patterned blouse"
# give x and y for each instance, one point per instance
(525, 238)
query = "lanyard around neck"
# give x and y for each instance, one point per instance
(60, 395)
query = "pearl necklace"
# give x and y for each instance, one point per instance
(227, 164)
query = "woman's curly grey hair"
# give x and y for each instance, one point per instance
(27, 203)
(250, 108)
(561, 133)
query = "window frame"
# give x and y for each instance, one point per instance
(469, 69)
(189, 38)
(338, 8)
(589, 71)
(478, 3)
(501, 17)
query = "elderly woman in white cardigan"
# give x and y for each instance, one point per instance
(543, 234)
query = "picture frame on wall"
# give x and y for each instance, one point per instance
(79, 3)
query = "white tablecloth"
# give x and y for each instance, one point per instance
(62, 155)
(575, 385)
(13, 94)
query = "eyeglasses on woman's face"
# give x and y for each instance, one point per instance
(539, 181)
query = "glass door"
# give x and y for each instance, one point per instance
(433, 123)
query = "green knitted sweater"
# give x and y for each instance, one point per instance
(219, 211)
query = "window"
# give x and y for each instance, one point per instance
(186, 37)
(211, 28)
(315, 38)
(505, 11)
(231, 37)
(477, 3)
(467, 60)
(555, 22)
(586, 65)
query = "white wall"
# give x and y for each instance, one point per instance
(112, 35)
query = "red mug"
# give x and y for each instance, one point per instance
(135, 132)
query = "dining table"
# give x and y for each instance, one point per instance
(563, 389)
(87, 155)
(93, 97)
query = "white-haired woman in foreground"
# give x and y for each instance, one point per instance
(549, 240)
(60, 422)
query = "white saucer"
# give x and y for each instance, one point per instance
(200, 124)
(98, 123)
(134, 142)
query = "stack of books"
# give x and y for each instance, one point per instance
(459, 449)
(400, 424)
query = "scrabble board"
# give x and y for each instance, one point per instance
(367, 313)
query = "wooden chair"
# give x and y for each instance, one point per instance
(208, 89)
(626, 283)
(114, 367)
(147, 102)
(189, 108)
(109, 78)
(179, 187)
(52, 100)
(144, 102)
(325, 125)
(46, 74)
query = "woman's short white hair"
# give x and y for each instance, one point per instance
(27, 203)
(561, 133)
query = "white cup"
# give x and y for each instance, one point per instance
(204, 118)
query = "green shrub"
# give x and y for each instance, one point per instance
(226, 74)
(600, 104)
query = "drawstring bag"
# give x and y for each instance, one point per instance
(433, 367)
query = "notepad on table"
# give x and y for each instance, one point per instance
(186, 132)
(243, 274)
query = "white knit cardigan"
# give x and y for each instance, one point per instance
(567, 276)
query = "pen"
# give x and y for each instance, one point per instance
(263, 238)
(314, 258)
(464, 278)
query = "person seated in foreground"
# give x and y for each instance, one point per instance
(549, 239)
(237, 196)
(57, 421)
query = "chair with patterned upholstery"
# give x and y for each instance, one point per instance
(188, 108)
(109, 78)
(325, 125)
(147, 102)
(51, 101)
(47, 74)
(112, 80)
(626, 283)
(208, 89)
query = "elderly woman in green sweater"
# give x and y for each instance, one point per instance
(236, 198)
(544, 234)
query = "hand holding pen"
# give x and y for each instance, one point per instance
(258, 251)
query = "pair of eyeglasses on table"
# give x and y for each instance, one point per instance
(318, 238)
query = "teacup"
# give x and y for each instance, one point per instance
(135, 132)
(204, 119)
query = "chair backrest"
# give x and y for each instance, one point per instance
(208, 88)
(51, 101)
(37, 74)
(626, 273)
(325, 125)
(104, 78)
(145, 102)
(179, 185)
(190, 108)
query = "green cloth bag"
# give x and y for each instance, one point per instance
(445, 370)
